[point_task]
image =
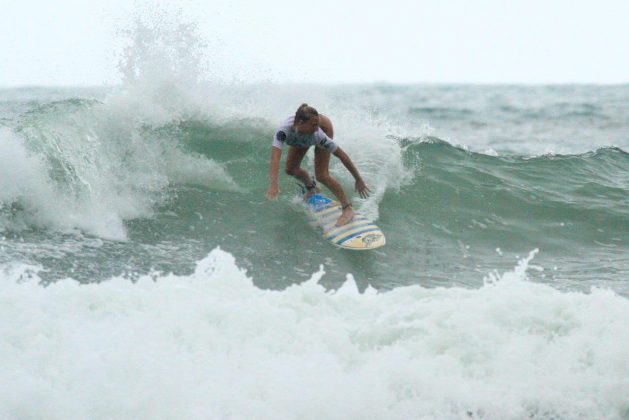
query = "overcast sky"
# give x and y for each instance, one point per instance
(77, 42)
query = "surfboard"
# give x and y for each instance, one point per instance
(359, 234)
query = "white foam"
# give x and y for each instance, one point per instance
(212, 345)
(25, 179)
(92, 169)
(21, 176)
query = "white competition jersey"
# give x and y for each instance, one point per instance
(287, 134)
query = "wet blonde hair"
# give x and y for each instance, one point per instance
(305, 112)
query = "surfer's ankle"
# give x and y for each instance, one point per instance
(311, 186)
(309, 194)
(346, 216)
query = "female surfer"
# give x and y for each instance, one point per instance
(308, 128)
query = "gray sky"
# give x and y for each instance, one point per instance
(77, 42)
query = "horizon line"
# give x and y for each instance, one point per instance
(326, 84)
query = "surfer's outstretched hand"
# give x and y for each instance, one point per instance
(272, 192)
(362, 188)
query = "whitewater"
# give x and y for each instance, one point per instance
(212, 345)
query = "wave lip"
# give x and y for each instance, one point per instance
(213, 345)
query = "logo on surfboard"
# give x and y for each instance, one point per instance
(372, 238)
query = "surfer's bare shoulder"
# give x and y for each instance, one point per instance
(326, 125)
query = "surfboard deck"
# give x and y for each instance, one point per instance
(359, 234)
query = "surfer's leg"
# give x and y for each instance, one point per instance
(293, 162)
(322, 165)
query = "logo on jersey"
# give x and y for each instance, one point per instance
(280, 136)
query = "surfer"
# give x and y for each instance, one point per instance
(309, 128)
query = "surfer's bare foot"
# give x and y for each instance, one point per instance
(346, 216)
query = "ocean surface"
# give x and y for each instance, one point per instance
(143, 273)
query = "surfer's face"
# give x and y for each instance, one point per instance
(308, 127)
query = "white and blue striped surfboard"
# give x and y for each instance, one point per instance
(358, 234)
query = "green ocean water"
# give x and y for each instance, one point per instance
(467, 179)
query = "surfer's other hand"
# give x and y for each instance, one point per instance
(362, 188)
(272, 192)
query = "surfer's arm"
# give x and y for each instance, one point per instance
(326, 125)
(274, 189)
(361, 187)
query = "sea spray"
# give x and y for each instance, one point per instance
(100, 163)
